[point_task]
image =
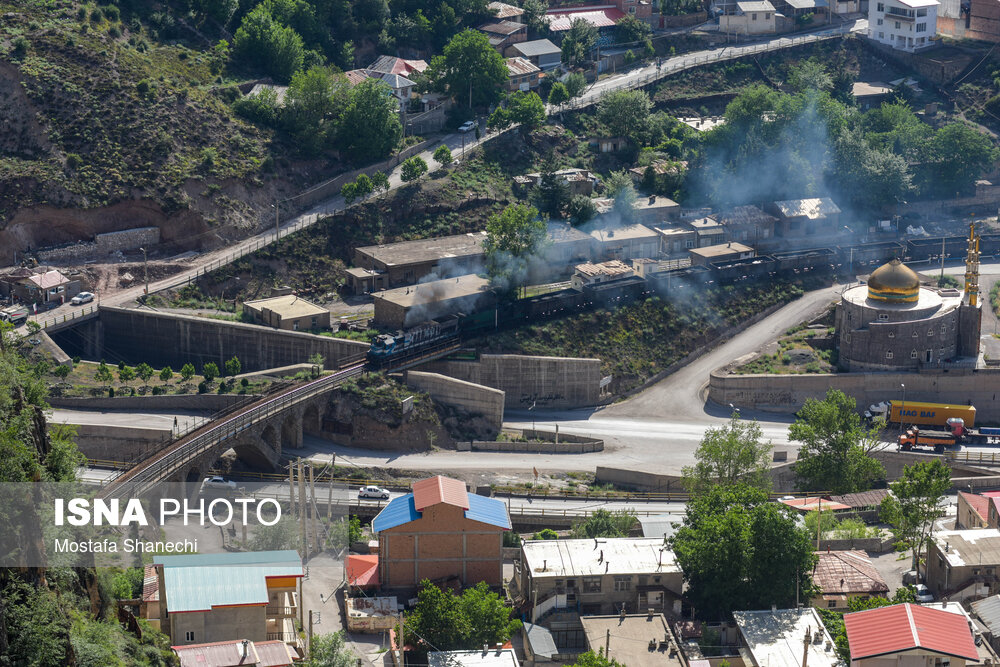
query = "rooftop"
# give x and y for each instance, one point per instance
(518, 66)
(362, 570)
(437, 490)
(602, 16)
(536, 47)
(812, 504)
(288, 306)
(560, 232)
(380, 606)
(394, 65)
(743, 215)
(706, 223)
(217, 654)
(915, 4)
(776, 638)
(926, 298)
(866, 88)
(502, 27)
(611, 555)
(637, 640)
(279, 91)
(49, 279)
(755, 6)
(505, 657)
(988, 611)
(721, 250)
(871, 498)
(660, 525)
(979, 546)
(612, 269)
(540, 640)
(504, 10)
(814, 209)
(623, 233)
(425, 250)
(980, 504)
(806, 4)
(904, 627)
(847, 572)
(436, 290)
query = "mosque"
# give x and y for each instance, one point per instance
(892, 323)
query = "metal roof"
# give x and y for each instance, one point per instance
(505, 657)
(757, 6)
(488, 510)
(536, 47)
(504, 10)
(871, 498)
(980, 504)
(540, 640)
(49, 279)
(199, 582)
(812, 504)
(988, 611)
(904, 627)
(660, 525)
(517, 66)
(599, 17)
(394, 65)
(502, 28)
(217, 654)
(362, 570)
(815, 208)
(439, 489)
(274, 653)
(608, 555)
(775, 638)
(401, 510)
(847, 572)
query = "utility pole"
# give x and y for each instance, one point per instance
(291, 489)
(302, 509)
(145, 271)
(607, 644)
(942, 259)
(329, 493)
(309, 635)
(312, 506)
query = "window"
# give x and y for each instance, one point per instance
(189, 636)
(880, 7)
(753, 17)
(881, 35)
(922, 11)
(930, 332)
(879, 22)
(921, 27)
(623, 583)
(571, 583)
(689, 244)
(631, 10)
(913, 354)
(882, 317)
(643, 579)
(831, 603)
(888, 355)
(591, 584)
(847, 338)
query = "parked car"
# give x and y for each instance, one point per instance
(81, 298)
(220, 483)
(373, 492)
(467, 126)
(923, 594)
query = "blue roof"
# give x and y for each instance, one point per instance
(198, 582)
(402, 510)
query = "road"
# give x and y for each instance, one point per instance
(154, 420)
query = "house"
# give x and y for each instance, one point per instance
(566, 246)
(362, 571)
(676, 240)
(660, 168)
(907, 25)
(842, 575)
(504, 33)
(870, 95)
(406, 262)
(597, 576)
(236, 653)
(987, 611)
(805, 217)
(490, 656)
(785, 638)
(722, 252)
(506, 12)
(46, 287)
(604, 17)
(279, 92)
(540, 647)
(541, 53)
(800, 12)
(401, 66)
(635, 640)
(980, 633)
(593, 274)
(440, 532)
(289, 312)
(404, 307)
(627, 242)
(654, 209)
(963, 563)
(745, 223)
(207, 598)
(579, 181)
(751, 17)
(862, 501)
(401, 86)
(608, 144)
(522, 74)
(708, 232)
(919, 636)
(662, 526)
(973, 511)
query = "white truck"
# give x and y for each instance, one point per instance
(16, 315)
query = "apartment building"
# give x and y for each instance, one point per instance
(907, 25)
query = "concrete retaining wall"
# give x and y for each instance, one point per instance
(873, 544)
(787, 393)
(472, 398)
(206, 402)
(539, 447)
(102, 245)
(117, 443)
(161, 339)
(550, 382)
(638, 480)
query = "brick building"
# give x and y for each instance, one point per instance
(440, 532)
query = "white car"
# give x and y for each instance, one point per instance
(82, 297)
(219, 483)
(373, 492)
(467, 126)
(923, 594)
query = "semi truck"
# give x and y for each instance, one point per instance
(956, 433)
(16, 315)
(924, 414)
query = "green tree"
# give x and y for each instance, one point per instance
(233, 366)
(625, 113)
(469, 69)
(592, 659)
(959, 155)
(126, 374)
(511, 238)
(380, 182)
(558, 94)
(104, 375)
(731, 454)
(581, 209)
(869, 177)
(575, 84)
(145, 373)
(314, 106)
(449, 622)
(329, 650)
(266, 44)
(364, 185)
(602, 523)
(413, 168)
(166, 374)
(629, 29)
(524, 109)
(282, 535)
(739, 550)
(187, 372)
(915, 503)
(835, 446)
(534, 15)
(545, 534)
(349, 191)
(552, 194)
(578, 41)
(209, 371)
(443, 155)
(62, 371)
(810, 74)
(618, 186)
(370, 128)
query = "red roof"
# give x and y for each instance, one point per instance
(217, 654)
(599, 17)
(980, 504)
(150, 584)
(362, 571)
(903, 627)
(274, 654)
(437, 490)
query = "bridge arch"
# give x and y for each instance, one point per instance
(312, 420)
(291, 432)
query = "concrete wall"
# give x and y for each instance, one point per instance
(207, 402)
(787, 393)
(550, 382)
(537, 447)
(638, 480)
(118, 443)
(102, 245)
(168, 339)
(472, 398)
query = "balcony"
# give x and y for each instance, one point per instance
(897, 13)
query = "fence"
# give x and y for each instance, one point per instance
(57, 321)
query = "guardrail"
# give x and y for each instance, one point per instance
(59, 320)
(138, 479)
(982, 458)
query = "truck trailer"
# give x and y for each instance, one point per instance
(16, 315)
(924, 414)
(955, 434)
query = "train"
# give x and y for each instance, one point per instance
(424, 337)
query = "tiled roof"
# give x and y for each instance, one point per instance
(847, 572)
(599, 17)
(438, 489)
(362, 570)
(979, 504)
(871, 498)
(904, 627)
(394, 65)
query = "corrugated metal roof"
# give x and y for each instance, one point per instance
(540, 640)
(847, 572)
(755, 6)
(488, 510)
(49, 279)
(536, 47)
(599, 17)
(396, 513)
(904, 627)
(403, 510)
(872, 498)
(774, 638)
(502, 28)
(274, 654)
(150, 584)
(988, 611)
(517, 66)
(504, 10)
(217, 654)
(201, 581)
(439, 489)
(362, 570)
(660, 525)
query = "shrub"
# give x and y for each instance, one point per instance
(158, 391)
(143, 87)
(443, 155)
(73, 161)
(202, 387)
(545, 534)
(96, 16)
(413, 168)
(114, 31)
(112, 12)
(20, 46)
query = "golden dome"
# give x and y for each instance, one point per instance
(894, 282)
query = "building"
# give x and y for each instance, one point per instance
(207, 598)
(870, 94)
(289, 312)
(907, 25)
(504, 33)
(541, 53)
(579, 181)
(46, 287)
(635, 640)
(489, 657)
(963, 563)
(677, 240)
(980, 633)
(595, 274)
(805, 217)
(987, 611)
(236, 653)
(401, 66)
(843, 575)
(708, 232)
(565, 247)
(604, 17)
(626, 242)
(892, 323)
(540, 647)
(719, 253)
(362, 571)
(751, 17)
(969, 19)
(522, 74)
(405, 307)
(372, 614)
(785, 638)
(597, 576)
(973, 511)
(440, 532)
(506, 12)
(862, 501)
(813, 504)
(748, 224)
(662, 526)
(401, 86)
(654, 209)
(911, 634)
(406, 262)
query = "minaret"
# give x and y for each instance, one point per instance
(972, 268)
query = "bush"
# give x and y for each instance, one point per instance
(545, 534)
(96, 16)
(73, 161)
(159, 391)
(112, 12)
(114, 32)
(144, 87)
(20, 47)
(511, 539)
(443, 155)
(202, 387)
(413, 168)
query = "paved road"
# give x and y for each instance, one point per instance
(157, 420)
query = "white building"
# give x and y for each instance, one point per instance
(908, 25)
(786, 638)
(755, 17)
